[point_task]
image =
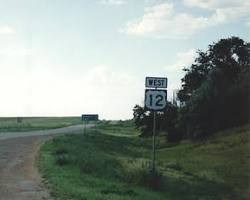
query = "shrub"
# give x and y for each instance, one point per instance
(174, 135)
(152, 179)
(145, 177)
(61, 151)
(62, 159)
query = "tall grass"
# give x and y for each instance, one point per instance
(101, 165)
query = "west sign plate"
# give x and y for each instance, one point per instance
(155, 99)
(156, 82)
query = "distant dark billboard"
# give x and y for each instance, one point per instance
(90, 117)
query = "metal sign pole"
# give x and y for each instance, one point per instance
(154, 133)
(85, 126)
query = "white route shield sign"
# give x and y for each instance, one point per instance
(155, 99)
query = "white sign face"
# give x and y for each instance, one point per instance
(156, 82)
(155, 99)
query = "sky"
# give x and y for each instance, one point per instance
(73, 57)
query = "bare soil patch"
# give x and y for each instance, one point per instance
(19, 178)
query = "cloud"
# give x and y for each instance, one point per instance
(175, 72)
(15, 52)
(223, 11)
(49, 89)
(102, 76)
(113, 2)
(6, 30)
(100, 89)
(184, 59)
(214, 4)
(248, 23)
(163, 21)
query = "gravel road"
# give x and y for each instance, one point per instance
(19, 178)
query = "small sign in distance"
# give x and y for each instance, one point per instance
(90, 117)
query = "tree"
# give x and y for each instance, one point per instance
(214, 89)
(215, 94)
(229, 56)
(166, 121)
(143, 120)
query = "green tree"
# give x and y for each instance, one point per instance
(143, 120)
(215, 94)
(214, 89)
(228, 57)
(166, 122)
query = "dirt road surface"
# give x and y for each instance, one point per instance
(19, 178)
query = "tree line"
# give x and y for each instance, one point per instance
(214, 95)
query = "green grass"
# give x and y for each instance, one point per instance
(118, 128)
(112, 163)
(36, 123)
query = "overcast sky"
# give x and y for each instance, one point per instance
(69, 57)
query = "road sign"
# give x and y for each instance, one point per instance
(89, 117)
(155, 99)
(156, 82)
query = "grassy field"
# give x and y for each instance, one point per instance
(35, 123)
(112, 163)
